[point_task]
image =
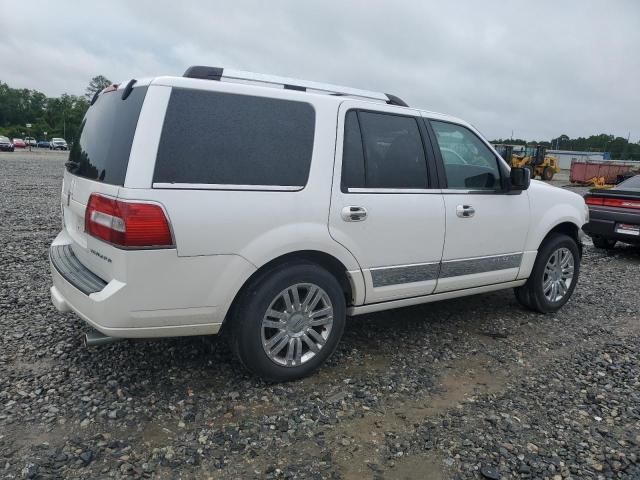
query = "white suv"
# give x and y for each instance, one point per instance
(58, 144)
(274, 208)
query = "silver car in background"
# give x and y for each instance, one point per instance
(6, 145)
(58, 144)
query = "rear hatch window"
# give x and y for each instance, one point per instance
(106, 135)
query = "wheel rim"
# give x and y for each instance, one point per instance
(297, 324)
(558, 275)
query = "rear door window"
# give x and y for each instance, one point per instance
(382, 150)
(229, 139)
(106, 134)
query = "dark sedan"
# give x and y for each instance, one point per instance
(614, 215)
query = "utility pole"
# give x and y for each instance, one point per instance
(29, 135)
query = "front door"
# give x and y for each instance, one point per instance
(486, 228)
(382, 207)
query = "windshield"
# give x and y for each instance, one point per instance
(106, 135)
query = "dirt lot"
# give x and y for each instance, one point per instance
(473, 388)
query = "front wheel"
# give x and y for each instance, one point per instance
(547, 173)
(288, 322)
(554, 275)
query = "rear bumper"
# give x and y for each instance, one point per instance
(602, 223)
(162, 296)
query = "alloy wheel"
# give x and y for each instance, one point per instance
(297, 324)
(558, 274)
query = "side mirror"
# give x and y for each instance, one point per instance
(520, 178)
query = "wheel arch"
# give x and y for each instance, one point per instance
(352, 283)
(568, 228)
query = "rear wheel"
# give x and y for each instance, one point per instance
(288, 322)
(547, 173)
(605, 243)
(554, 275)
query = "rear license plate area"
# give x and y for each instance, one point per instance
(628, 229)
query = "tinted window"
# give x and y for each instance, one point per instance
(468, 162)
(391, 151)
(352, 154)
(106, 135)
(632, 183)
(221, 138)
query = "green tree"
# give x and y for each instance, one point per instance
(59, 117)
(97, 84)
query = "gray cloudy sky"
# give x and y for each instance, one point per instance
(538, 68)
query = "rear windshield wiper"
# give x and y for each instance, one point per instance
(128, 89)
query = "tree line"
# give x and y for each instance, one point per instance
(62, 117)
(620, 148)
(59, 116)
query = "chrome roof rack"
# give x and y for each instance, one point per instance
(224, 74)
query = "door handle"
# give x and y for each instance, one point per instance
(465, 211)
(354, 214)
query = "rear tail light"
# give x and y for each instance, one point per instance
(621, 203)
(594, 200)
(612, 202)
(127, 224)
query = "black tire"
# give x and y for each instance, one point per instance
(547, 173)
(531, 294)
(246, 320)
(605, 243)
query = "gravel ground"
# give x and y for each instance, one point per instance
(468, 389)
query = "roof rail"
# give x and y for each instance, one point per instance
(217, 73)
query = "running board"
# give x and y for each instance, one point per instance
(407, 302)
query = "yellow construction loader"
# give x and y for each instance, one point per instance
(534, 158)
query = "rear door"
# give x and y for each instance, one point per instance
(383, 208)
(486, 227)
(98, 163)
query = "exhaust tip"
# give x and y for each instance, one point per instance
(94, 338)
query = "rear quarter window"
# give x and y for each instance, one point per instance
(229, 139)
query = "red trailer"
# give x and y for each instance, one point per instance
(583, 171)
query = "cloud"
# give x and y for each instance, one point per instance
(537, 68)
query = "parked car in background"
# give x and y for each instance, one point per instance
(43, 144)
(30, 141)
(6, 145)
(58, 144)
(19, 143)
(291, 209)
(614, 214)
